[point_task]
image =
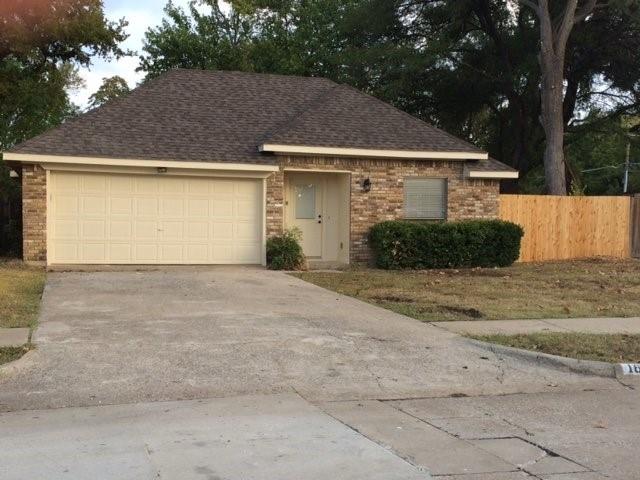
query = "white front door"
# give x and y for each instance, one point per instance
(306, 211)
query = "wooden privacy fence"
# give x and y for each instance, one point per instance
(557, 227)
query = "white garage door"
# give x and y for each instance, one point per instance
(138, 219)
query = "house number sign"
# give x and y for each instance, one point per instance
(630, 368)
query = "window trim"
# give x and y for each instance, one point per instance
(445, 198)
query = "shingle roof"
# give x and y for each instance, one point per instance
(489, 165)
(345, 117)
(195, 115)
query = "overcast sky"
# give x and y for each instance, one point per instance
(141, 14)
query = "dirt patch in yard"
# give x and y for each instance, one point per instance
(586, 288)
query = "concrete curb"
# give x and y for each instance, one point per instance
(583, 367)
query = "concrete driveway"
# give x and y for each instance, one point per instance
(184, 333)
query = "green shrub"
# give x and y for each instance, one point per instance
(473, 243)
(284, 251)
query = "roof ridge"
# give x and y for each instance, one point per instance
(415, 119)
(246, 73)
(287, 124)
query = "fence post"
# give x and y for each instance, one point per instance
(635, 225)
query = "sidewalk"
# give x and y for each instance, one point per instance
(629, 325)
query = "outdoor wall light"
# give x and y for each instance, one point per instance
(366, 185)
(162, 169)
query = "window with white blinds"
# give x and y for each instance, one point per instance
(425, 198)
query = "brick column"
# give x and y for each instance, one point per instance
(34, 214)
(275, 204)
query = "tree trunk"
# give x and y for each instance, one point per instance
(552, 119)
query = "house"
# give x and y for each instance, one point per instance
(201, 167)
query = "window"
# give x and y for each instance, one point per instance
(425, 198)
(305, 201)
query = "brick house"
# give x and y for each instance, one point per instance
(200, 167)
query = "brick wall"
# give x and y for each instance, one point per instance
(34, 214)
(467, 198)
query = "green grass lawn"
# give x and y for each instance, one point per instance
(20, 291)
(587, 288)
(586, 346)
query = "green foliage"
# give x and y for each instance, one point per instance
(41, 45)
(284, 251)
(420, 245)
(191, 39)
(111, 88)
(596, 152)
(464, 65)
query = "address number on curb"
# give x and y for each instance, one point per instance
(630, 368)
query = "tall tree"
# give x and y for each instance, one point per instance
(556, 24)
(111, 88)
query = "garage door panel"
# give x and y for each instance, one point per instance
(146, 185)
(223, 187)
(146, 206)
(66, 252)
(93, 252)
(121, 205)
(111, 218)
(146, 252)
(93, 230)
(197, 253)
(120, 230)
(199, 186)
(66, 205)
(145, 230)
(246, 231)
(223, 231)
(120, 253)
(198, 230)
(92, 205)
(121, 184)
(171, 186)
(93, 184)
(172, 230)
(197, 207)
(171, 253)
(222, 253)
(172, 207)
(222, 207)
(66, 229)
(247, 209)
(246, 254)
(68, 184)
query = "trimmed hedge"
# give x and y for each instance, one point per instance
(473, 243)
(284, 251)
